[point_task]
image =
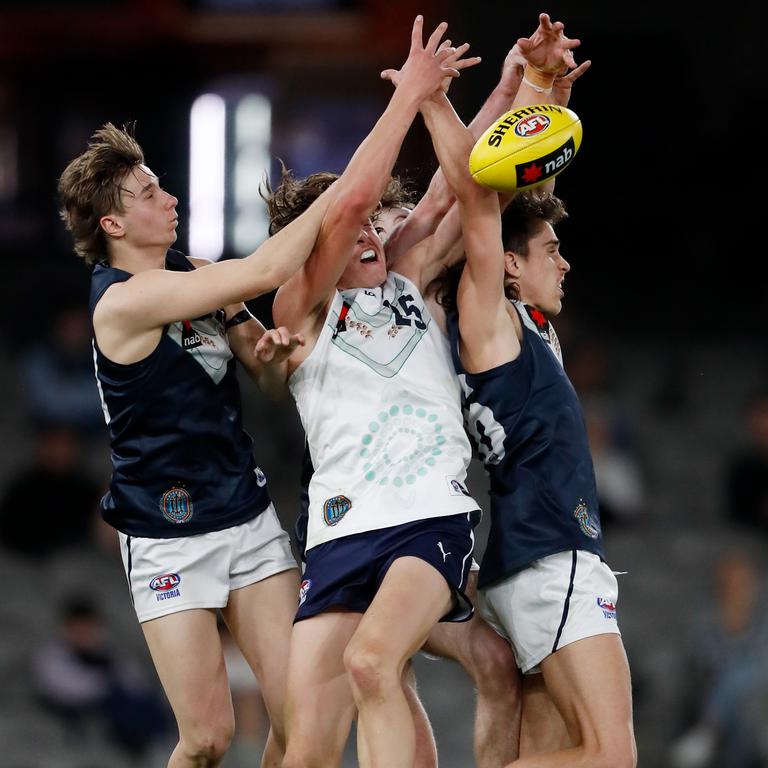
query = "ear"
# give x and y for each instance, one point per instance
(512, 264)
(112, 225)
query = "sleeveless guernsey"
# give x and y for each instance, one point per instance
(181, 462)
(380, 405)
(526, 422)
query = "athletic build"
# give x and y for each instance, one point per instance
(543, 581)
(197, 529)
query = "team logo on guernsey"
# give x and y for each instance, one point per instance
(335, 508)
(166, 586)
(607, 607)
(586, 523)
(176, 505)
(303, 590)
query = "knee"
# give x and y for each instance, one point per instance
(491, 663)
(371, 672)
(207, 746)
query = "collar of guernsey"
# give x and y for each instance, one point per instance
(380, 404)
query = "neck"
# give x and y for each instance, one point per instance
(136, 260)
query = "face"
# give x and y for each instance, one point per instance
(387, 220)
(540, 275)
(366, 267)
(149, 218)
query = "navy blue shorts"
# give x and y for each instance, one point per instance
(345, 574)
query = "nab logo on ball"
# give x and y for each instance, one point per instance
(525, 148)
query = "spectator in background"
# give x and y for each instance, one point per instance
(82, 678)
(57, 375)
(51, 504)
(746, 474)
(729, 675)
(620, 483)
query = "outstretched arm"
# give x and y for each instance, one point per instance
(487, 335)
(154, 298)
(438, 199)
(549, 51)
(360, 187)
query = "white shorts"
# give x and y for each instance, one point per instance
(554, 602)
(170, 575)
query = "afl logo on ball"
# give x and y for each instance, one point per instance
(531, 126)
(335, 508)
(176, 506)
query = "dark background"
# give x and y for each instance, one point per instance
(663, 195)
(662, 328)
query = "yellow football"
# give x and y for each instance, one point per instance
(525, 148)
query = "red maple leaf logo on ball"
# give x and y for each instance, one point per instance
(531, 173)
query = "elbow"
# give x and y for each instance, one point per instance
(355, 206)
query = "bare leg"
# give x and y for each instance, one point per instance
(319, 708)
(489, 661)
(392, 629)
(260, 618)
(542, 729)
(195, 681)
(589, 682)
(426, 748)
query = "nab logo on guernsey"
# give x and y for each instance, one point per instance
(166, 586)
(607, 607)
(335, 508)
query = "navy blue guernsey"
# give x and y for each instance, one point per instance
(181, 462)
(527, 425)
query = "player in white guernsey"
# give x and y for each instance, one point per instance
(380, 405)
(545, 579)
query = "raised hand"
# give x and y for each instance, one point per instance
(547, 49)
(561, 88)
(277, 345)
(426, 66)
(456, 61)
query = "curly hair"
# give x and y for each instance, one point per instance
(293, 196)
(90, 187)
(399, 194)
(521, 222)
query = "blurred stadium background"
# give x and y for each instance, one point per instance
(662, 329)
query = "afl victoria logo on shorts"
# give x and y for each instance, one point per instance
(607, 607)
(176, 506)
(335, 508)
(303, 590)
(166, 586)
